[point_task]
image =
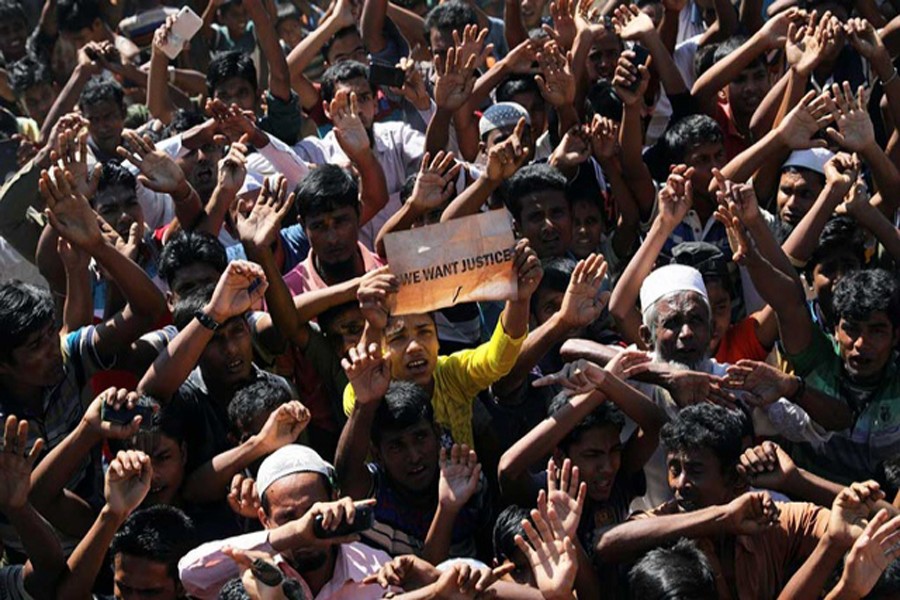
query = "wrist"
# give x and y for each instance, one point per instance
(113, 515)
(793, 387)
(182, 191)
(447, 509)
(219, 316)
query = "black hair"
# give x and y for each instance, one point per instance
(704, 58)
(161, 534)
(325, 189)
(507, 526)
(518, 84)
(10, 10)
(24, 309)
(344, 71)
(689, 133)
(182, 120)
(861, 293)
(531, 179)
(730, 46)
(102, 89)
(888, 585)
(227, 65)
(113, 174)
(191, 247)
(340, 33)
(706, 426)
(328, 316)
(190, 304)
(605, 414)
(233, 590)
(27, 72)
(407, 189)
(75, 15)
(841, 234)
(450, 16)
(680, 572)
(557, 274)
(261, 396)
(404, 405)
(602, 100)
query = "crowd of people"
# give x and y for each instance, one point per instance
(206, 389)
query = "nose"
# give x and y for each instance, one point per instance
(687, 332)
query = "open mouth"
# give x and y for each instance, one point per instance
(234, 367)
(417, 367)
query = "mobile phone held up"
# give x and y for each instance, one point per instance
(364, 519)
(386, 76)
(641, 55)
(145, 406)
(186, 26)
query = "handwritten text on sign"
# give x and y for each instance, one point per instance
(463, 260)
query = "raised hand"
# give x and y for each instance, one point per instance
(751, 513)
(159, 172)
(406, 571)
(626, 75)
(564, 29)
(765, 383)
(116, 399)
(255, 587)
(460, 472)
(71, 154)
(738, 240)
(872, 552)
(851, 509)
(572, 150)
(865, 40)
(629, 363)
(856, 203)
(565, 494)
(376, 293)
(242, 285)
(767, 466)
(127, 481)
(435, 182)
(16, 462)
(521, 59)
(69, 212)
(695, 387)
(243, 498)
(798, 127)
(551, 553)
(283, 426)
(582, 304)
(556, 81)
(260, 227)
(676, 197)
(604, 135)
(349, 129)
(506, 158)
(578, 377)
(631, 23)
(803, 48)
(232, 123)
(454, 79)
(463, 580)
(369, 373)
(333, 514)
(471, 44)
(855, 132)
(161, 37)
(841, 172)
(232, 168)
(528, 267)
(413, 84)
(75, 260)
(777, 29)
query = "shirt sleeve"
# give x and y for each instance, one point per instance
(283, 118)
(474, 370)
(819, 352)
(79, 348)
(285, 161)
(205, 569)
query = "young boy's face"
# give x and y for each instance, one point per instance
(347, 47)
(168, 458)
(797, 192)
(532, 11)
(598, 456)
(704, 158)
(38, 361)
(13, 37)
(866, 345)
(236, 90)
(234, 17)
(413, 342)
(696, 479)
(748, 89)
(106, 120)
(546, 220)
(410, 456)
(119, 207)
(587, 227)
(228, 357)
(547, 303)
(37, 100)
(720, 302)
(290, 32)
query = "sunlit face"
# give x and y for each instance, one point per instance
(200, 167)
(346, 330)
(168, 458)
(190, 277)
(703, 158)
(532, 11)
(440, 41)
(797, 192)
(587, 227)
(234, 17)
(106, 120)
(237, 90)
(119, 207)
(682, 329)
(696, 479)
(290, 498)
(546, 220)
(142, 579)
(603, 57)
(365, 99)
(334, 235)
(410, 456)
(598, 456)
(290, 32)
(866, 345)
(38, 362)
(228, 357)
(747, 90)
(413, 343)
(347, 47)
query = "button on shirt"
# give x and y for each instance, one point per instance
(205, 569)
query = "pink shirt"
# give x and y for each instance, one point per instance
(205, 569)
(304, 276)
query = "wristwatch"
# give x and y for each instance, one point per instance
(206, 320)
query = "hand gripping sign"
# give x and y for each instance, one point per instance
(464, 260)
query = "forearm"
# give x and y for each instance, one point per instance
(634, 170)
(514, 26)
(831, 413)
(401, 220)
(766, 114)
(66, 100)
(627, 541)
(493, 77)
(305, 52)
(664, 65)
(282, 157)
(470, 201)
(811, 578)
(805, 237)
(352, 449)
(85, 563)
(173, 365)
(373, 192)
(158, 101)
(142, 295)
(440, 534)
(41, 546)
(213, 214)
(210, 480)
(438, 132)
(726, 70)
(59, 466)
(79, 307)
(742, 167)
(575, 348)
(625, 294)
(466, 129)
(538, 343)
(750, 15)
(279, 76)
(372, 18)
(636, 406)
(885, 175)
(411, 26)
(668, 29)
(279, 302)
(809, 487)
(514, 318)
(889, 236)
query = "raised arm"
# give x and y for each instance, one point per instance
(459, 479)
(305, 52)
(371, 25)
(86, 68)
(453, 86)
(631, 136)
(279, 75)
(633, 24)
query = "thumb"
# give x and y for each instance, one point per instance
(134, 233)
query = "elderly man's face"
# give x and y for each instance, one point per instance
(682, 329)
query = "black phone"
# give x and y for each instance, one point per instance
(145, 406)
(364, 519)
(641, 55)
(385, 75)
(9, 158)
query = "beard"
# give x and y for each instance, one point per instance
(703, 364)
(340, 271)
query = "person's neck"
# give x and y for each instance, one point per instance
(421, 499)
(318, 578)
(704, 207)
(341, 272)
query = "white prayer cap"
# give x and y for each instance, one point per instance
(813, 159)
(668, 280)
(500, 115)
(288, 460)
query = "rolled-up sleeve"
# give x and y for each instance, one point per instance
(205, 569)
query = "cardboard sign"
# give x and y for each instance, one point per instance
(463, 260)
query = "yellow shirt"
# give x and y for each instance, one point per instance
(459, 377)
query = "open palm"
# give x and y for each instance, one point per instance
(460, 472)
